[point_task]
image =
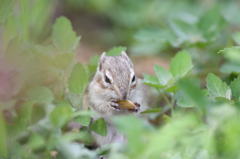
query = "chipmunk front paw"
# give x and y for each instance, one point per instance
(137, 104)
(114, 105)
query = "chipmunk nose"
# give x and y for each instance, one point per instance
(124, 95)
(121, 92)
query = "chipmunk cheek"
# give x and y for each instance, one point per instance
(133, 86)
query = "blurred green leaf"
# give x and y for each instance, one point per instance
(3, 137)
(227, 138)
(61, 114)
(82, 136)
(181, 64)
(217, 88)
(99, 126)
(38, 113)
(84, 120)
(62, 61)
(63, 37)
(36, 141)
(92, 66)
(163, 75)
(173, 141)
(40, 94)
(25, 114)
(211, 23)
(183, 100)
(187, 32)
(235, 87)
(230, 68)
(151, 81)
(236, 38)
(191, 94)
(232, 54)
(152, 110)
(78, 79)
(5, 9)
(130, 130)
(116, 51)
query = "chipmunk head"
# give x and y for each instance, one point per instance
(115, 76)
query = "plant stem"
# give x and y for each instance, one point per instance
(170, 103)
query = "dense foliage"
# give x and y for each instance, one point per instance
(42, 84)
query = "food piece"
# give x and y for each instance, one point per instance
(127, 105)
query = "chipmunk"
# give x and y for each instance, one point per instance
(114, 80)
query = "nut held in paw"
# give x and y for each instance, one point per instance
(127, 105)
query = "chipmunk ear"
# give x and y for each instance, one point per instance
(125, 56)
(102, 59)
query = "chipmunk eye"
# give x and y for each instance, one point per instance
(107, 80)
(134, 78)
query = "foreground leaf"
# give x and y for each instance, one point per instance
(236, 37)
(40, 94)
(152, 110)
(183, 100)
(230, 68)
(78, 79)
(191, 93)
(99, 126)
(217, 88)
(232, 54)
(84, 120)
(181, 64)
(163, 75)
(3, 138)
(151, 81)
(61, 114)
(63, 36)
(235, 86)
(36, 141)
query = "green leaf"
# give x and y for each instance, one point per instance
(83, 136)
(84, 120)
(78, 79)
(61, 114)
(133, 128)
(62, 61)
(63, 36)
(40, 94)
(25, 114)
(163, 75)
(211, 23)
(99, 126)
(235, 86)
(116, 51)
(236, 37)
(93, 63)
(38, 113)
(217, 88)
(152, 110)
(230, 67)
(3, 138)
(232, 54)
(5, 9)
(183, 100)
(36, 141)
(191, 94)
(151, 81)
(181, 64)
